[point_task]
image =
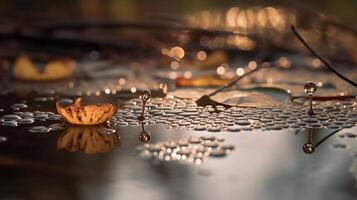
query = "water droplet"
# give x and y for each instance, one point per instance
(214, 129)
(26, 121)
(308, 148)
(175, 111)
(11, 117)
(228, 147)
(25, 115)
(184, 123)
(145, 95)
(323, 118)
(133, 123)
(310, 88)
(11, 123)
(194, 140)
(170, 145)
(199, 128)
(190, 110)
(41, 118)
(123, 123)
(233, 128)
(208, 138)
(185, 152)
(310, 120)
(56, 127)
(187, 114)
(211, 145)
(54, 117)
(217, 153)
(265, 120)
(247, 128)
(39, 129)
(144, 136)
(242, 122)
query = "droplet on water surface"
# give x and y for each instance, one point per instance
(310, 87)
(214, 129)
(54, 117)
(11, 123)
(227, 147)
(308, 148)
(217, 153)
(233, 128)
(11, 117)
(243, 122)
(39, 129)
(56, 127)
(26, 121)
(199, 128)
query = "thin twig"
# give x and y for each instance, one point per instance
(235, 80)
(301, 39)
(325, 138)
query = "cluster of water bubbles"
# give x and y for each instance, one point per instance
(192, 150)
(176, 113)
(18, 118)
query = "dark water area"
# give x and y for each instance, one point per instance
(260, 165)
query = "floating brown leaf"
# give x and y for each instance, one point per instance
(79, 114)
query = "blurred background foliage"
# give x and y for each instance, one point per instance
(343, 10)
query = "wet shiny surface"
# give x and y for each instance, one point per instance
(97, 162)
(276, 143)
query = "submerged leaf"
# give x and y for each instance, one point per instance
(256, 96)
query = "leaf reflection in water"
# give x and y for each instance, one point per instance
(88, 139)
